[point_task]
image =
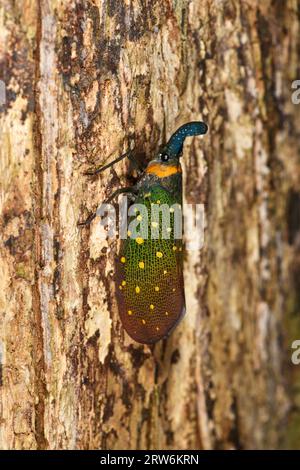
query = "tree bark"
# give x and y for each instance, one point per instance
(83, 80)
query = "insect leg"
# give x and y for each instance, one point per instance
(131, 190)
(91, 217)
(93, 172)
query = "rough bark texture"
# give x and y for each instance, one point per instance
(84, 79)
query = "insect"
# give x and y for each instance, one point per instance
(149, 265)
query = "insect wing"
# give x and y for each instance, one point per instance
(149, 276)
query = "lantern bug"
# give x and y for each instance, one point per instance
(149, 271)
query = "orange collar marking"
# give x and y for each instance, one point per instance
(162, 171)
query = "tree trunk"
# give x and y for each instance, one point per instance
(85, 78)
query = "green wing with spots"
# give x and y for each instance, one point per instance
(149, 271)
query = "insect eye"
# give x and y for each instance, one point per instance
(164, 157)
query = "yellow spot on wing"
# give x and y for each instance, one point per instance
(159, 254)
(137, 290)
(151, 307)
(129, 312)
(139, 218)
(141, 264)
(156, 288)
(144, 322)
(123, 283)
(123, 259)
(139, 240)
